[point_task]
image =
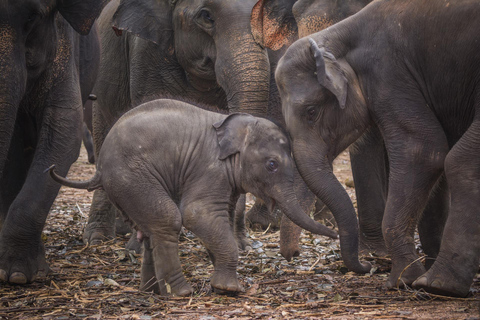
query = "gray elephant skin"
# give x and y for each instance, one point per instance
(276, 25)
(421, 89)
(187, 50)
(166, 164)
(47, 71)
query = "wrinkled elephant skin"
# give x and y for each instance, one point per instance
(423, 97)
(161, 178)
(42, 88)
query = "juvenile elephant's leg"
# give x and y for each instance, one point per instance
(458, 259)
(416, 165)
(213, 228)
(239, 224)
(290, 232)
(22, 255)
(101, 220)
(370, 173)
(159, 219)
(148, 279)
(432, 222)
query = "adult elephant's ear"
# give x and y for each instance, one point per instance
(329, 73)
(273, 24)
(232, 133)
(148, 19)
(81, 14)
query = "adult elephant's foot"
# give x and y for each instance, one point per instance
(372, 246)
(260, 217)
(444, 280)
(22, 265)
(404, 274)
(225, 283)
(101, 221)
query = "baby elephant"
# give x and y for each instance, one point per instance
(166, 164)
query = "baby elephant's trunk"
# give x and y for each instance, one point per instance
(92, 184)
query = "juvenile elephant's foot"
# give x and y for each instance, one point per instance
(19, 266)
(443, 282)
(133, 243)
(177, 286)
(404, 274)
(259, 217)
(101, 220)
(225, 283)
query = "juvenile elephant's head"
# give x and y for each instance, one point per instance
(325, 111)
(28, 47)
(212, 41)
(263, 165)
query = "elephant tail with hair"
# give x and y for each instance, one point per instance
(92, 184)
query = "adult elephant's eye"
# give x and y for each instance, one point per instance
(206, 16)
(312, 112)
(272, 165)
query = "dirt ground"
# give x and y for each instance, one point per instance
(101, 282)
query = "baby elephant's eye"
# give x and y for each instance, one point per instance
(272, 165)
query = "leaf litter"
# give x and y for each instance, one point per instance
(102, 281)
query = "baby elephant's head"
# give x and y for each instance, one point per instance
(265, 165)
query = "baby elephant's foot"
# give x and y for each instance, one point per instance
(404, 275)
(243, 243)
(443, 282)
(226, 284)
(177, 286)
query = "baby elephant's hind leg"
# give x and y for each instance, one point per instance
(159, 219)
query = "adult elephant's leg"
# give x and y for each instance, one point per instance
(101, 221)
(432, 222)
(290, 232)
(370, 173)
(459, 256)
(417, 156)
(22, 255)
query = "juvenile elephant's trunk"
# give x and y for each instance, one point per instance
(243, 71)
(320, 179)
(287, 201)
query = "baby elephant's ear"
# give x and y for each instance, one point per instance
(232, 133)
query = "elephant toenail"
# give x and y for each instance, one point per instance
(437, 284)
(3, 276)
(421, 282)
(18, 278)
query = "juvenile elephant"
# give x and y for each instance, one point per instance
(421, 89)
(276, 24)
(46, 72)
(190, 171)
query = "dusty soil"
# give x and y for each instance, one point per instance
(101, 282)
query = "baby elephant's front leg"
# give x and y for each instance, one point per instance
(214, 230)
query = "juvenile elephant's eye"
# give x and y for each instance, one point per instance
(272, 165)
(312, 113)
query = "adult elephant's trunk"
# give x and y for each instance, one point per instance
(12, 88)
(243, 71)
(319, 177)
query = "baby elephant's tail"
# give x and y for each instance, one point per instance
(90, 185)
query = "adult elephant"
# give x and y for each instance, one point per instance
(423, 95)
(46, 73)
(276, 24)
(199, 51)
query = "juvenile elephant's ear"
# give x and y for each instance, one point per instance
(148, 19)
(329, 73)
(273, 24)
(232, 133)
(81, 14)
